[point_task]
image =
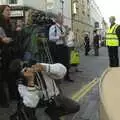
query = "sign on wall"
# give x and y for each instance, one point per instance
(17, 13)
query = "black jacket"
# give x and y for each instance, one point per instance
(8, 51)
(96, 39)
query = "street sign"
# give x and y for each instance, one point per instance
(17, 13)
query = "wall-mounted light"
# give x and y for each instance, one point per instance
(74, 7)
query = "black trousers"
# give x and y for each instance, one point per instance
(113, 56)
(87, 49)
(52, 48)
(59, 53)
(96, 51)
(60, 107)
(62, 56)
(8, 87)
(3, 95)
(3, 86)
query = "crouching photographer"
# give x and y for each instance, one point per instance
(38, 89)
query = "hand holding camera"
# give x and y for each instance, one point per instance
(38, 67)
(29, 73)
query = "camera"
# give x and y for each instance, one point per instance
(17, 65)
(40, 18)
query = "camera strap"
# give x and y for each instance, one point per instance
(40, 77)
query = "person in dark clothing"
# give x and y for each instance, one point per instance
(96, 43)
(113, 42)
(8, 49)
(87, 44)
(5, 41)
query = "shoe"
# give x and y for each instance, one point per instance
(51, 114)
(67, 78)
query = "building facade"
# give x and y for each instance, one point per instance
(54, 6)
(83, 16)
(86, 17)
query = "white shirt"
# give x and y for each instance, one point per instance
(70, 39)
(55, 33)
(32, 95)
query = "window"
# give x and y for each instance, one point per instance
(12, 1)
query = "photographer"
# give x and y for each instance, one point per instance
(45, 92)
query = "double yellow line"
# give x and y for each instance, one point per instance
(78, 95)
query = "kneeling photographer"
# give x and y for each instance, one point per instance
(38, 89)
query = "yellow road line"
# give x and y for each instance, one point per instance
(85, 92)
(78, 95)
(75, 96)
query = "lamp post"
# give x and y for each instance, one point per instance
(46, 7)
(62, 9)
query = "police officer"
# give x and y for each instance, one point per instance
(112, 42)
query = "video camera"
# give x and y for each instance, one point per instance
(40, 18)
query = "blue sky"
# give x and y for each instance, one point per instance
(109, 8)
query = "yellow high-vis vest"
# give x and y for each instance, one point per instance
(111, 37)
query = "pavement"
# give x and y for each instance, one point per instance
(90, 67)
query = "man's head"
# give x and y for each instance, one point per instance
(112, 19)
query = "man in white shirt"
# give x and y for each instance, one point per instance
(59, 49)
(70, 38)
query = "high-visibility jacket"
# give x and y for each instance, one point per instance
(111, 36)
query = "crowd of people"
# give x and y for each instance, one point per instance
(21, 70)
(25, 74)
